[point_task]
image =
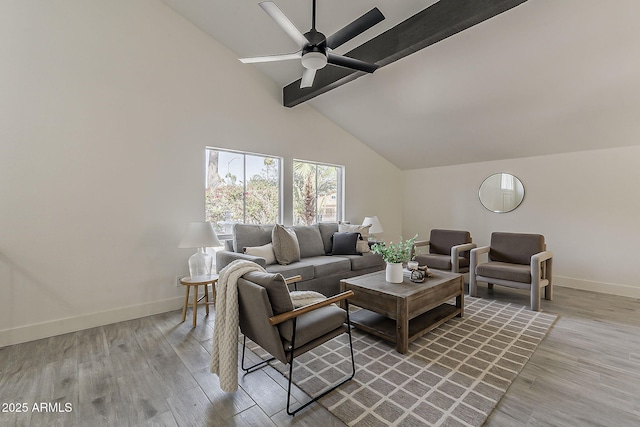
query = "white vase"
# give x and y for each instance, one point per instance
(394, 272)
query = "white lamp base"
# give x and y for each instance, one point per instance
(200, 263)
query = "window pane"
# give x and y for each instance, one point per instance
(241, 188)
(304, 193)
(327, 193)
(507, 181)
(262, 192)
(317, 193)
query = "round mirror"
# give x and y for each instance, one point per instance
(501, 192)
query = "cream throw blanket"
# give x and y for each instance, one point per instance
(224, 355)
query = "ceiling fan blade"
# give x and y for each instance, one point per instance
(272, 58)
(355, 64)
(281, 19)
(355, 28)
(307, 77)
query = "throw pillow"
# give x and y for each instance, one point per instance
(326, 231)
(247, 235)
(285, 245)
(363, 243)
(264, 251)
(345, 244)
(302, 298)
(310, 240)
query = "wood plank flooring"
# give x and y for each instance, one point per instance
(154, 371)
(587, 370)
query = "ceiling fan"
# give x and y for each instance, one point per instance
(315, 47)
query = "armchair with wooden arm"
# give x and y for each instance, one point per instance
(268, 318)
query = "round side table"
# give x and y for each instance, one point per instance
(194, 282)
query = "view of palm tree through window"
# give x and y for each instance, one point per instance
(317, 193)
(247, 188)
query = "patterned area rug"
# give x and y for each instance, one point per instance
(453, 376)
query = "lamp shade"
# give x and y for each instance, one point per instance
(199, 235)
(376, 227)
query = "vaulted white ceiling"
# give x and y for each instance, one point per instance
(549, 76)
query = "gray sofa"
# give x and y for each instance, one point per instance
(320, 272)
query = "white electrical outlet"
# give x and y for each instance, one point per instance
(178, 284)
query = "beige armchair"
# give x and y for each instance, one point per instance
(448, 250)
(516, 260)
(268, 318)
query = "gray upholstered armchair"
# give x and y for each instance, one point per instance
(448, 250)
(268, 318)
(516, 260)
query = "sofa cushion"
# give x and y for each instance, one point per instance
(250, 235)
(345, 243)
(294, 269)
(441, 241)
(264, 251)
(309, 240)
(501, 270)
(324, 266)
(326, 231)
(364, 261)
(363, 244)
(285, 245)
(440, 262)
(316, 323)
(437, 261)
(515, 247)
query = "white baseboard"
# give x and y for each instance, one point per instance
(605, 288)
(78, 323)
(86, 321)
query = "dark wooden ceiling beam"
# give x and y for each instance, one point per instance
(435, 23)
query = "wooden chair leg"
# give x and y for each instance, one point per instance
(186, 302)
(206, 298)
(195, 305)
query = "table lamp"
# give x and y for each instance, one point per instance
(375, 228)
(200, 235)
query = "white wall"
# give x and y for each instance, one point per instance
(106, 108)
(586, 205)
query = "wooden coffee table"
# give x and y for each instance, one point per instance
(402, 312)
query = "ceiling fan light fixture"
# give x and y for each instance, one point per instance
(315, 47)
(314, 60)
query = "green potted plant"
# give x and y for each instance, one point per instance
(395, 254)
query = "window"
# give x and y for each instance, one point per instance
(506, 183)
(242, 188)
(317, 192)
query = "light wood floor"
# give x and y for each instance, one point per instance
(154, 371)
